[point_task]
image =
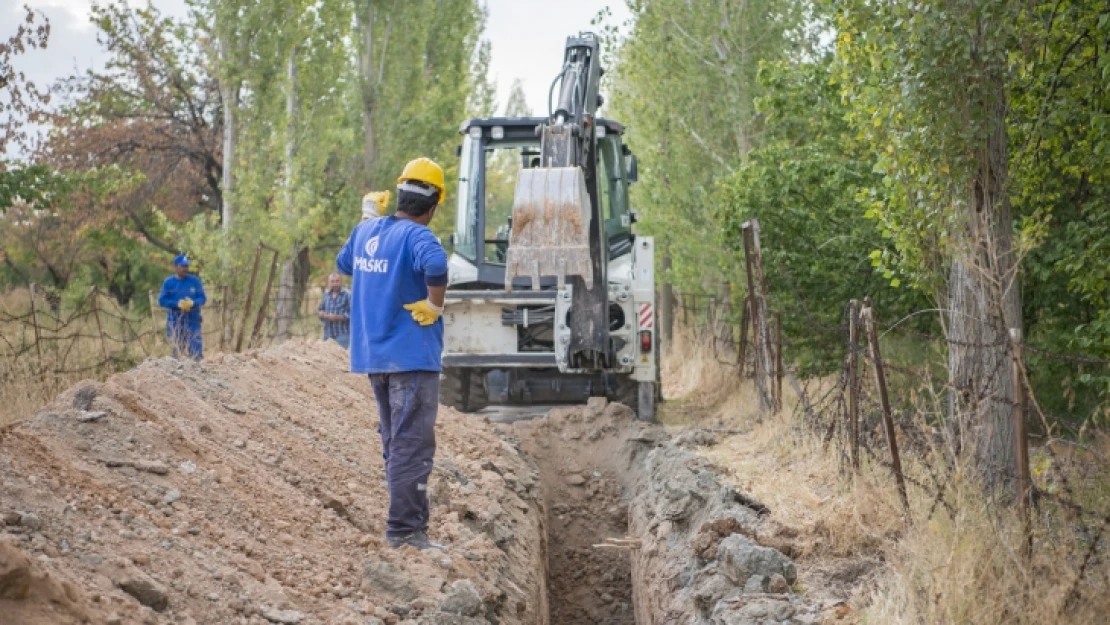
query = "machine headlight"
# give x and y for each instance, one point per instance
(497, 132)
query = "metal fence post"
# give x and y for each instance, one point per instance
(1021, 436)
(745, 321)
(884, 399)
(853, 383)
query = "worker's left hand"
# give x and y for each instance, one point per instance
(424, 312)
(185, 303)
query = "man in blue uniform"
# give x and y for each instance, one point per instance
(182, 296)
(400, 277)
(334, 312)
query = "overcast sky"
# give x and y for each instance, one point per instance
(527, 38)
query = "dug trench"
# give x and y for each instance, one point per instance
(249, 489)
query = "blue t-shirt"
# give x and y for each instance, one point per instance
(392, 261)
(175, 289)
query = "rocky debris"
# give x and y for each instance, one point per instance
(282, 617)
(148, 466)
(172, 497)
(30, 521)
(463, 599)
(145, 592)
(696, 438)
(387, 579)
(741, 559)
(83, 398)
(84, 416)
(696, 529)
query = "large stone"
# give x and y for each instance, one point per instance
(387, 579)
(282, 617)
(463, 599)
(740, 559)
(146, 592)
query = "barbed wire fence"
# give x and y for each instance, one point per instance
(42, 337)
(899, 416)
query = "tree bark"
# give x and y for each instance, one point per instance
(230, 96)
(369, 84)
(984, 303)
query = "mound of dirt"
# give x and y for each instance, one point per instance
(249, 489)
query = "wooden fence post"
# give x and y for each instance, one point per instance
(94, 292)
(853, 383)
(884, 399)
(265, 300)
(1021, 436)
(38, 333)
(753, 265)
(250, 299)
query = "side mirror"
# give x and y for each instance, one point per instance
(633, 168)
(453, 240)
(458, 150)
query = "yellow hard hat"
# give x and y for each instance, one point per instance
(374, 204)
(427, 171)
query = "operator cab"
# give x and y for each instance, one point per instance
(492, 153)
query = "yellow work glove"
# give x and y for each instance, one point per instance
(185, 304)
(424, 312)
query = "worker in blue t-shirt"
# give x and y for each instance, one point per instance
(182, 296)
(400, 277)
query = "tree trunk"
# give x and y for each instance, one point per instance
(369, 82)
(230, 95)
(286, 303)
(984, 303)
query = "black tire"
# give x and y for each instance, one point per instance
(628, 393)
(464, 390)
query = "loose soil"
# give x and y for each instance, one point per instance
(249, 489)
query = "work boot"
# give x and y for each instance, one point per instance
(415, 539)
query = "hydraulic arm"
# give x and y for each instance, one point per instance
(557, 228)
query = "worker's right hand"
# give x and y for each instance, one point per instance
(424, 312)
(185, 304)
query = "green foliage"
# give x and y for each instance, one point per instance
(802, 185)
(685, 83)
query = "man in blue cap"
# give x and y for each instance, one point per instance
(182, 296)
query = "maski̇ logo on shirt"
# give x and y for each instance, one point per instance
(371, 264)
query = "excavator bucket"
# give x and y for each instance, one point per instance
(551, 227)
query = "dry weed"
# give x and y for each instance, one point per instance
(962, 566)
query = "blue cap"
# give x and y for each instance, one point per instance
(182, 260)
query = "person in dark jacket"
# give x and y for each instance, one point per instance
(183, 296)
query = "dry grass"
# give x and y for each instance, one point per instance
(963, 568)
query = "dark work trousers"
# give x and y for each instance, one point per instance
(407, 404)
